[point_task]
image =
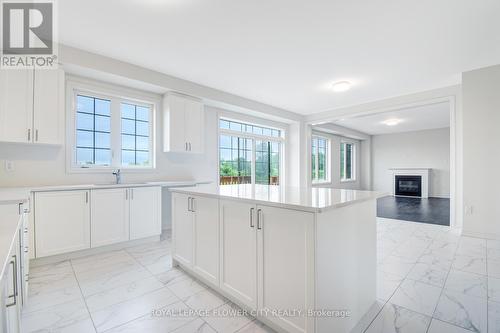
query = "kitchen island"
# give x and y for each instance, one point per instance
(299, 260)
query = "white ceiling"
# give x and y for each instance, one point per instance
(286, 53)
(412, 119)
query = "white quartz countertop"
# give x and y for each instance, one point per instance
(306, 199)
(21, 194)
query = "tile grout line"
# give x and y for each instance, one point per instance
(395, 289)
(83, 297)
(442, 290)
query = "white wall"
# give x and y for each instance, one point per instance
(426, 149)
(481, 152)
(334, 160)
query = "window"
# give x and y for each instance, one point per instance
(319, 159)
(135, 135)
(111, 132)
(347, 161)
(249, 154)
(93, 129)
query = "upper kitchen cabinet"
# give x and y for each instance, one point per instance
(48, 106)
(183, 124)
(31, 106)
(16, 105)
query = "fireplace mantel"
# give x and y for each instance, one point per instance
(423, 172)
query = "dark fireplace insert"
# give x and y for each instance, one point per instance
(410, 186)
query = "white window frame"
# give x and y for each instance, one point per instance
(256, 122)
(80, 86)
(327, 179)
(353, 162)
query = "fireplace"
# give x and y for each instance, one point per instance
(410, 186)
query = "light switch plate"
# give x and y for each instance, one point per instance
(9, 166)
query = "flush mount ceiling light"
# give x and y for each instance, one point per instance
(392, 122)
(341, 86)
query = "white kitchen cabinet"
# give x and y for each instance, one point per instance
(31, 106)
(183, 124)
(110, 216)
(194, 126)
(11, 284)
(145, 212)
(62, 222)
(16, 105)
(238, 254)
(205, 213)
(48, 103)
(286, 264)
(182, 229)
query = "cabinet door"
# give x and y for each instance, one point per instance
(145, 212)
(194, 126)
(48, 106)
(110, 216)
(62, 222)
(13, 296)
(174, 124)
(206, 238)
(16, 105)
(182, 229)
(238, 258)
(286, 265)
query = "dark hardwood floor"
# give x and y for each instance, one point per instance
(431, 210)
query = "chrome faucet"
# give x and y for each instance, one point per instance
(118, 175)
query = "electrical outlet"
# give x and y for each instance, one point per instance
(9, 166)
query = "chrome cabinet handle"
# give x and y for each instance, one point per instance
(36, 135)
(126, 194)
(190, 146)
(259, 219)
(189, 204)
(86, 197)
(186, 148)
(192, 205)
(131, 194)
(251, 217)
(29, 134)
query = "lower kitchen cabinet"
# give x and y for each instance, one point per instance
(62, 222)
(182, 229)
(265, 255)
(196, 227)
(67, 221)
(238, 251)
(110, 216)
(13, 282)
(286, 264)
(145, 212)
(206, 238)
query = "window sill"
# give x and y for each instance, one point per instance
(348, 180)
(316, 184)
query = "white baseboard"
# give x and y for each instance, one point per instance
(83, 253)
(480, 234)
(442, 196)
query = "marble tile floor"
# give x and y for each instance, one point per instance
(118, 291)
(429, 280)
(432, 280)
